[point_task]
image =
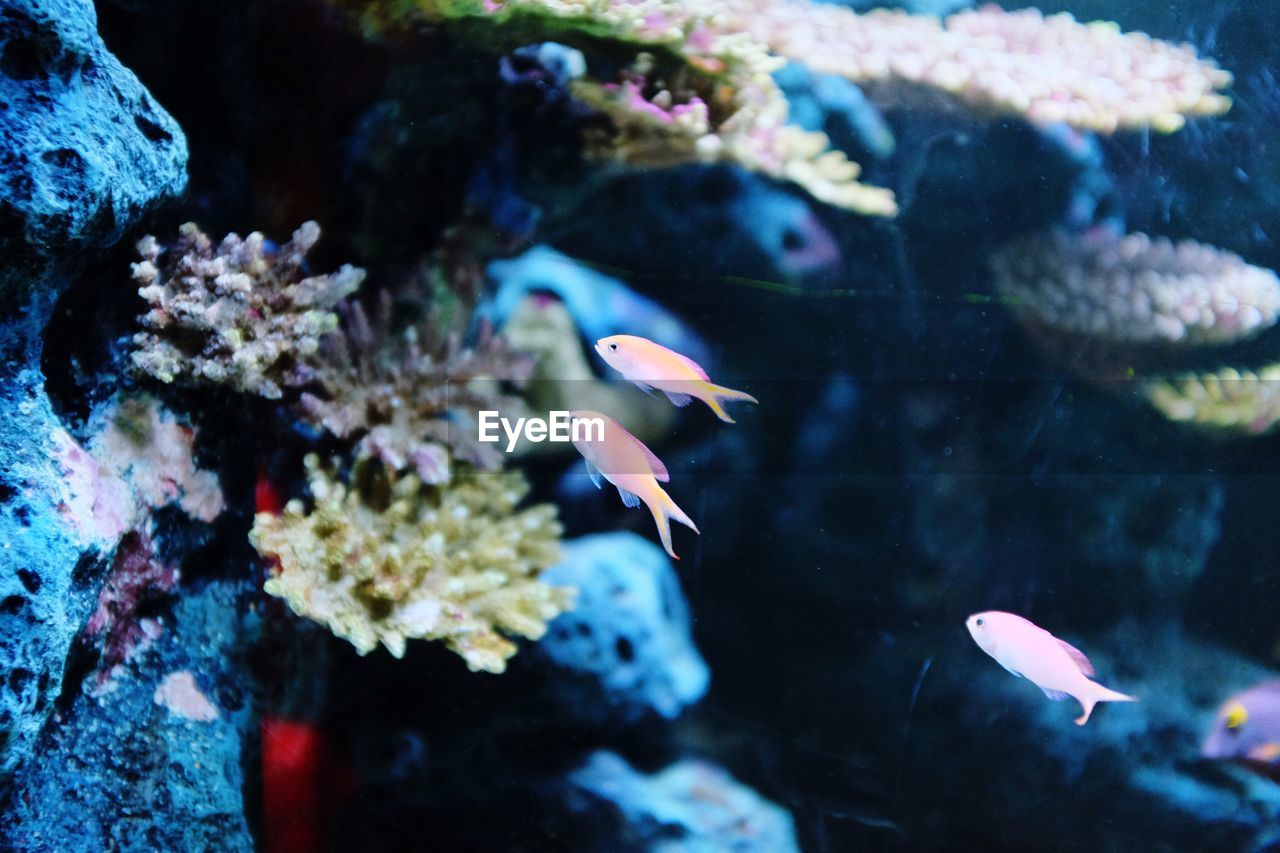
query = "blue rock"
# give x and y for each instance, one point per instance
(600, 305)
(691, 806)
(84, 149)
(836, 107)
(625, 651)
(131, 769)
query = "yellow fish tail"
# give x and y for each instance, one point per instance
(716, 395)
(664, 509)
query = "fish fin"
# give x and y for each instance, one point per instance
(630, 499)
(1077, 657)
(594, 473)
(655, 464)
(715, 396)
(664, 509)
(1099, 694)
(677, 399)
(643, 386)
(1008, 668)
(692, 365)
(1055, 695)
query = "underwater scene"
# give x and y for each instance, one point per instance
(639, 425)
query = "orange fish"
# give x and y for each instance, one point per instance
(651, 365)
(622, 459)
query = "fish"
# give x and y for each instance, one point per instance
(623, 460)
(650, 365)
(1031, 652)
(1246, 730)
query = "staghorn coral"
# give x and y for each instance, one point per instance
(1134, 289)
(1227, 400)
(386, 559)
(1024, 64)
(691, 90)
(410, 396)
(241, 314)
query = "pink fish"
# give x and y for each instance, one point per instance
(1031, 652)
(622, 459)
(651, 365)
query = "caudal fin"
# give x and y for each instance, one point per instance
(664, 509)
(716, 395)
(1099, 694)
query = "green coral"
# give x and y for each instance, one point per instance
(1227, 400)
(386, 558)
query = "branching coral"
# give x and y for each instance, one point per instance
(1229, 400)
(1135, 289)
(410, 396)
(241, 314)
(1021, 64)
(385, 559)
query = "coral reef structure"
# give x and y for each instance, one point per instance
(86, 148)
(1022, 64)
(1228, 400)
(1136, 289)
(240, 314)
(626, 649)
(387, 558)
(409, 397)
(690, 805)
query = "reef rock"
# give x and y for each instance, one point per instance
(86, 148)
(626, 650)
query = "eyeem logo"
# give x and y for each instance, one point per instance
(560, 426)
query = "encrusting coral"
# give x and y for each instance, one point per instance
(1134, 289)
(1227, 400)
(241, 314)
(386, 558)
(411, 395)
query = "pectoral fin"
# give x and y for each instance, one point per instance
(643, 386)
(594, 473)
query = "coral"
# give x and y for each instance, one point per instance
(1136, 289)
(626, 649)
(690, 91)
(1226, 400)
(241, 314)
(410, 396)
(86, 148)
(1022, 64)
(120, 771)
(689, 805)
(386, 559)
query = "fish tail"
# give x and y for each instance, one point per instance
(716, 395)
(664, 509)
(1100, 694)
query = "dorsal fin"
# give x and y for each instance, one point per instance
(1077, 657)
(693, 365)
(655, 464)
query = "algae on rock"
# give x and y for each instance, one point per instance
(384, 558)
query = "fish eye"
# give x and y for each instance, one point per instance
(979, 623)
(613, 346)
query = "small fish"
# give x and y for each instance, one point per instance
(650, 365)
(1029, 651)
(1247, 729)
(623, 460)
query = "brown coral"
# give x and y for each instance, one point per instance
(387, 558)
(240, 314)
(410, 396)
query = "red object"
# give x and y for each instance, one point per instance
(266, 496)
(303, 784)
